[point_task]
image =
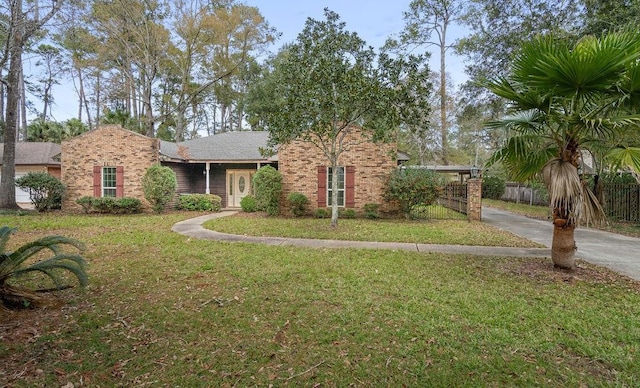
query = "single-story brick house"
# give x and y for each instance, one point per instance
(110, 161)
(34, 157)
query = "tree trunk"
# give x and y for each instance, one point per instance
(563, 246)
(22, 123)
(2, 98)
(7, 182)
(334, 194)
(98, 101)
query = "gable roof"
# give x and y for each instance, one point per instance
(35, 153)
(223, 147)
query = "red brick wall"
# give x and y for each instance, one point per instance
(298, 162)
(108, 145)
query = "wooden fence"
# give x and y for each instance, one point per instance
(622, 202)
(522, 193)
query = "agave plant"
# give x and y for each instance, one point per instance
(23, 261)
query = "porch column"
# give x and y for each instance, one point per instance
(206, 170)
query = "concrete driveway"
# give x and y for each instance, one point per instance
(617, 252)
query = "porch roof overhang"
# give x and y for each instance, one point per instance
(218, 161)
(461, 170)
(224, 148)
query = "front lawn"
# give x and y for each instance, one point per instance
(167, 310)
(423, 232)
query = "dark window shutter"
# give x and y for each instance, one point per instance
(322, 186)
(350, 184)
(97, 181)
(119, 181)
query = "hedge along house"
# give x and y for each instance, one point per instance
(111, 161)
(221, 164)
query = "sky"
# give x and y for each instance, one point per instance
(373, 20)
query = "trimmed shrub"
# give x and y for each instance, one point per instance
(104, 205)
(127, 205)
(321, 213)
(348, 213)
(267, 183)
(45, 190)
(298, 203)
(199, 202)
(249, 204)
(86, 203)
(159, 184)
(493, 187)
(110, 205)
(371, 211)
(412, 187)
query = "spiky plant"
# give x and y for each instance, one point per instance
(24, 261)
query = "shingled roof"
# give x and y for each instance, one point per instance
(223, 147)
(35, 153)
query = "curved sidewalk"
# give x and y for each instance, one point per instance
(193, 228)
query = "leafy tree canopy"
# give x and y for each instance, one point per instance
(329, 81)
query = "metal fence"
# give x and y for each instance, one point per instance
(453, 197)
(622, 202)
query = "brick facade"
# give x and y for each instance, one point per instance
(299, 161)
(106, 146)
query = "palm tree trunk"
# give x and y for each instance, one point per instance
(563, 246)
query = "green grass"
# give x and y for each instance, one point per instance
(166, 310)
(424, 232)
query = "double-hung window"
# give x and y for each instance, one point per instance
(340, 176)
(108, 181)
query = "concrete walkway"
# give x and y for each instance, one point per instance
(193, 228)
(614, 251)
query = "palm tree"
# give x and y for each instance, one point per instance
(24, 260)
(567, 99)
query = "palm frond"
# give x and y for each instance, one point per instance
(624, 157)
(13, 264)
(592, 212)
(5, 233)
(520, 122)
(23, 253)
(565, 189)
(524, 156)
(72, 263)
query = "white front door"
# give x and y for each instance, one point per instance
(238, 186)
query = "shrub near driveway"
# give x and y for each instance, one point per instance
(165, 309)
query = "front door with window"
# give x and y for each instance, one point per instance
(238, 186)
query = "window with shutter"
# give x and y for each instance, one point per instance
(341, 185)
(108, 181)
